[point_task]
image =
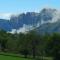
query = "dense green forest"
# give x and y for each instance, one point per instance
(31, 44)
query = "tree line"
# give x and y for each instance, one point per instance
(31, 43)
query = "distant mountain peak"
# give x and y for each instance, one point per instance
(30, 20)
(48, 9)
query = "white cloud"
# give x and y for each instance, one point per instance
(23, 29)
(5, 15)
(56, 17)
(13, 31)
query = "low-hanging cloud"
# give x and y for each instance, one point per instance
(5, 15)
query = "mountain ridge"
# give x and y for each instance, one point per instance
(30, 20)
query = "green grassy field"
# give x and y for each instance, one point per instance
(2, 57)
(12, 58)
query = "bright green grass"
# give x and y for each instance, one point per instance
(12, 58)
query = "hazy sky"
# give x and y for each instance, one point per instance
(18, 6)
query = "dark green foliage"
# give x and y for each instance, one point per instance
(31, 44)
(53, 47)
